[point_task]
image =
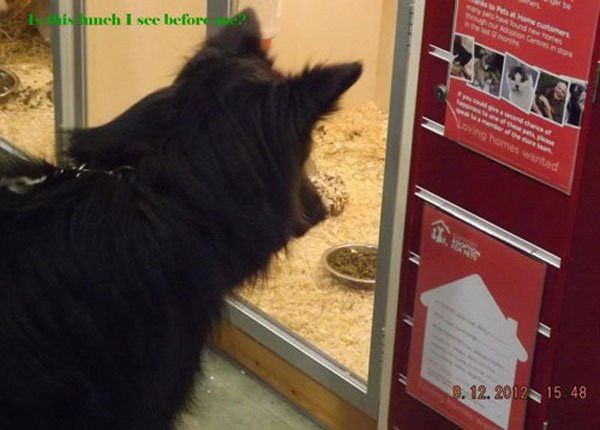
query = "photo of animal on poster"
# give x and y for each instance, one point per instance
(576, 103)
(519, 81)
(487, 70)
(463, 52)
(550, 97)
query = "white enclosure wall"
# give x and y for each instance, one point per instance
(126, 63)
(341, 30)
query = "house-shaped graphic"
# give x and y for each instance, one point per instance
(468, 341)
(439, 229)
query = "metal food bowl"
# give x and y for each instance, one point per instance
(9, 83)
(346, 278)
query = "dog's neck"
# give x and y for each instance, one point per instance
(23, 184)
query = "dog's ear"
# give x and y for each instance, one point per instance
(322, 86)
(316, 91)
(243, 38)
(313, 94)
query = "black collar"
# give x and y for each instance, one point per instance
(24, 184)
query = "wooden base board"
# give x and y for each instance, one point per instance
(317, 400)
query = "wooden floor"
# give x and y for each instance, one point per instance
(317, 400)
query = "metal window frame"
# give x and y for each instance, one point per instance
(69, 69)
(216, 8)
(364, 395)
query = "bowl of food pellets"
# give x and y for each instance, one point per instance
(8, 84)
(354, 264)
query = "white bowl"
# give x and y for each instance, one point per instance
(348, 279)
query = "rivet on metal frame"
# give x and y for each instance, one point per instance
(441, 92)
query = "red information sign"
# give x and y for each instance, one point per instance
(518, 82)
(474, 327)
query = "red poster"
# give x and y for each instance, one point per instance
(518, 82)
(475, 321)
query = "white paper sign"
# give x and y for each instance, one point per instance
(469, 342)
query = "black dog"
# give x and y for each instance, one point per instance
(112, 273)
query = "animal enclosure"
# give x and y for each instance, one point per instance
(299, 293)
(349, 145)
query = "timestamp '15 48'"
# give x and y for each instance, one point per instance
(556, 392)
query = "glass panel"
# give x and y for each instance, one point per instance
(346, 165)
(126, 63)
(26, 83)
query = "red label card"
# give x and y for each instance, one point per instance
(518, 83)
(475, 321)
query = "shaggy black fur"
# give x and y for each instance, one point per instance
(110, 281)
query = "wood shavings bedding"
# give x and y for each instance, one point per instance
(27, 118)
(298, 293)
(19, 41)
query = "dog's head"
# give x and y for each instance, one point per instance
(488, 58)
(265, 116)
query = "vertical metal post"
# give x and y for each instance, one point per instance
(390, 233)
(68, 51)
(217, 8)
(402, 116)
